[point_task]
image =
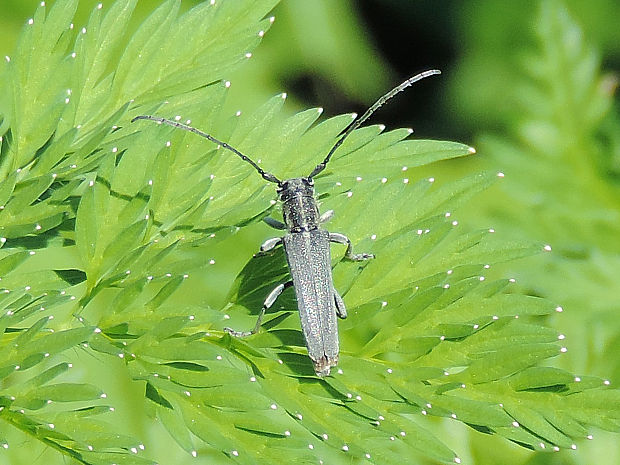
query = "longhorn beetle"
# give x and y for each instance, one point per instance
(306, 246)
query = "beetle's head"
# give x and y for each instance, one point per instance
(296, 187)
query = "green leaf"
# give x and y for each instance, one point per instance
(9, 262)
(62, 392)
(86, 225)
(541, 378)
(175, 426)
(47, 375)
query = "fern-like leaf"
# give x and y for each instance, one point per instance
(430, 331)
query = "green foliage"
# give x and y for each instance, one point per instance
(558, 146)
(561, 178)
(103, 220)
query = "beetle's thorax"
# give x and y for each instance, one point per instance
(299, 207)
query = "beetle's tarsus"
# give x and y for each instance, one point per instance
(234, 333)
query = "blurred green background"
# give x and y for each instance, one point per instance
(530, 84)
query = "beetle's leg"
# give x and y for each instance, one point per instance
(274, 223)
(325, 217)
(269, 245)
(269, 301)
(341, 310)
(342, 239)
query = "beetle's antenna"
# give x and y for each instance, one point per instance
(375, 106)
(266, 175)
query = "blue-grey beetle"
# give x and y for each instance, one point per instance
(307, 246)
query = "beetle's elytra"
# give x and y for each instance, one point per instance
(307, 246)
